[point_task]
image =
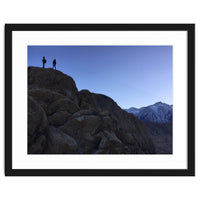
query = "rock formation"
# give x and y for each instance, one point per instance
(62, 120)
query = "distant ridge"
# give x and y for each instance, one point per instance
(158, 112)
(158, 120)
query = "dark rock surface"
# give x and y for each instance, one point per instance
(62, 120)
(161, 134)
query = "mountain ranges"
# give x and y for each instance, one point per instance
(158, 120)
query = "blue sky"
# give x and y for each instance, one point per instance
(133, 76)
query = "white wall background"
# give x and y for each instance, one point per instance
(104, 11)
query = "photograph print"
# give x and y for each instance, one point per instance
(100, 99)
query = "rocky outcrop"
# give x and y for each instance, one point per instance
(62, 120)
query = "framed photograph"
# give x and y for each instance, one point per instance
(99, 99)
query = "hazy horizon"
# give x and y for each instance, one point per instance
(133, 76)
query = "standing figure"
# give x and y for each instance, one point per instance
(54, 64)
(44, 61)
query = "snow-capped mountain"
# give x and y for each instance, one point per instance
(158, 112)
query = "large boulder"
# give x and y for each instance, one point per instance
(110, 143)
(58, 118)
(44, 97)
(52, 80)
(59, 142)
(82, 129)
(37, 123)
(64, 104)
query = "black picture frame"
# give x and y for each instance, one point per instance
(190, 28)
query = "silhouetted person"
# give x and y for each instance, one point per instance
(44, 61)
(54, 64)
